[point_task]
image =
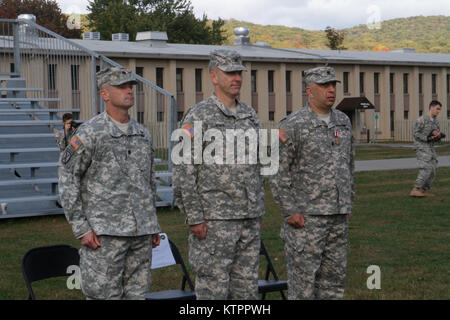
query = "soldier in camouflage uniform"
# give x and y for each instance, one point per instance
(314, 188)
(426, 132)
(223, 203)
(63, 136)
(108, 193)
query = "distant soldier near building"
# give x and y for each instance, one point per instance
(426, 133)
(315, 188)
(223, 203)
(108, 192)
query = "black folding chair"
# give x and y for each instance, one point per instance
(266, 285)
(47, 262)
(181, 294)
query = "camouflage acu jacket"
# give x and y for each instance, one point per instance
(106, 180)
(422, 128)
(219, 191)
(316, 173)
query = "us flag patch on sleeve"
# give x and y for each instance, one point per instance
(187, 128)
(283, 135)
(75, 143)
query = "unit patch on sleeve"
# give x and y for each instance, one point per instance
(75, 143)
(187, 129)
(283, 135)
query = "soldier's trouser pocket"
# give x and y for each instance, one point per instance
(94, 270)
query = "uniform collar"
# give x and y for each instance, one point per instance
(111, 128)
(240, 112)
(316, 122)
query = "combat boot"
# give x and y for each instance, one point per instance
(416, 192)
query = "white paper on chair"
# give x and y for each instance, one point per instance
(162, 255)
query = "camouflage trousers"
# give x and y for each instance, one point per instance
(316, 257)
(119, 269)
(226, 262)
(427, 170)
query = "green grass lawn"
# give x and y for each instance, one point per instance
(406, 237)
(378, 152)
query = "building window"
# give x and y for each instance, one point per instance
(11, 67)
(391, 83)
(345, 85)
(180, 115)
(52, 77)
(288, 81)
(405, 115)
(270, 80)
(140, 72)
(75, 77)
(160, 77)
(198, 80)
(271, 115)
(160, 116)
(405, 83)
(179, 79)
(376, 83)
(448, 84)
(361, 82)
(434, 83)
(253, 80)
(420, 83)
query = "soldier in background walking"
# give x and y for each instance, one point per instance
(108, 193)
(314, 188)
(426, 132)
(223, 203)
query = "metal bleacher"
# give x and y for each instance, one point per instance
(28, 153)
(61, 75)
(29, 156)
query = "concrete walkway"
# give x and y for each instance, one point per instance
(395, 164)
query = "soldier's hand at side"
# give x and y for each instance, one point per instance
(90, 240)
(199, 230)
(156, 239)
(296, 220)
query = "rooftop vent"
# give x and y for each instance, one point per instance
(242, 37)
(262, 44)
(404, 50)
(91, 36)
(26, 29)
(120, 37)
(153, 38)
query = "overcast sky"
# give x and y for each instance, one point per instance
(306, 14)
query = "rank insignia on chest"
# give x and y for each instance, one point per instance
(336, 137)
(283, 135)
(75, 143)
(187, 129)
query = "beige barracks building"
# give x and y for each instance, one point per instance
(382, 92)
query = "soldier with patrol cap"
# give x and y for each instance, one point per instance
(223, 202)
(108, 193)
(426, 133)
(314, 188)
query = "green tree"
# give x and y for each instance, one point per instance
(176, 17)
(335, 38)
(47, 12)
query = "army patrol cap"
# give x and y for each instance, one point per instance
(226, 60)
(320, 75)
(115, 76)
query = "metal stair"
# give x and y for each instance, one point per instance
(60, 73)
(29, 156)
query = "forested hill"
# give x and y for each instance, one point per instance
(424, 34)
